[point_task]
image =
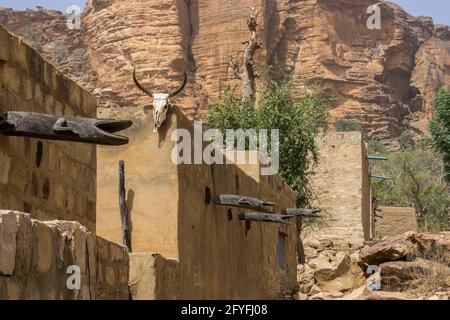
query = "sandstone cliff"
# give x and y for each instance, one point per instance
(384, 78)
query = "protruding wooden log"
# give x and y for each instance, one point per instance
(264, 217)
(243, 202)
(50, 127)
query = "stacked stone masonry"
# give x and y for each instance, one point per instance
(36, 257)
(395, 221)
(50, 180)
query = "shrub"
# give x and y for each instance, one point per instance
(416, 181)
(405, 140)
(440, 129)
(343, 125)
(298, 114)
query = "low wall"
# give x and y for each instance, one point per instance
(51, 180)
(35, 257)
(152, 277)
(395, 221)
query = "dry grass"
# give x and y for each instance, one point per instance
(433, 277)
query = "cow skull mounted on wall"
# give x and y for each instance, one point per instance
(161, 103)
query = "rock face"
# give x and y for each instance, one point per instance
(46, 31)
(384, 78)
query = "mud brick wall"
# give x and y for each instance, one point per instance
(395, 221)
(220, 256)
(50, 180)
(112, 271)
(35, 257)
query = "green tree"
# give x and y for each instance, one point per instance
(416, 181)
(440, 129)
(300, 115)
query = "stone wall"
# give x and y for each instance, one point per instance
(220, 257)
(395, 221)
(112, 271)
(342, 186)
(36, 256)
(152, 277)
(51, 180)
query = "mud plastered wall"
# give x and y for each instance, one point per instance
(395, 221)
(50, 180)
(220, 256)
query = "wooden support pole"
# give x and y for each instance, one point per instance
(124, 218)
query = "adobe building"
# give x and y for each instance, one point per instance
(182, 241)
(58, 198)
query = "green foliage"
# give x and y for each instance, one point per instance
(440, 129)
(416, 181)
(343, 125)
(405, 140)
(299, 115)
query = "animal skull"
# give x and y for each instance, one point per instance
(161, 103)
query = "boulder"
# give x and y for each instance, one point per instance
(330, 271)
(390, 249)
(434, 247)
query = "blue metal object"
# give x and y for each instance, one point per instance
(379, 177)
(377, 158)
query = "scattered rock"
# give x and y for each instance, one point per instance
(389, 249)
(330, 271)
(447, 281)
(315, 290)
(319, 296)
(300, 296)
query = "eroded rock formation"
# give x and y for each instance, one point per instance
(384, 78)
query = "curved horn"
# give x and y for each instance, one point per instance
(174, 93)
(139, 85)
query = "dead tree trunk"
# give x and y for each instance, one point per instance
(249, 74)
(126, 234)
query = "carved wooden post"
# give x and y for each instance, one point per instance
(126, 235)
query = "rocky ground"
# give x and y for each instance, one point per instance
(413, 266)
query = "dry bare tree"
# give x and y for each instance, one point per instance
(249, 74)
